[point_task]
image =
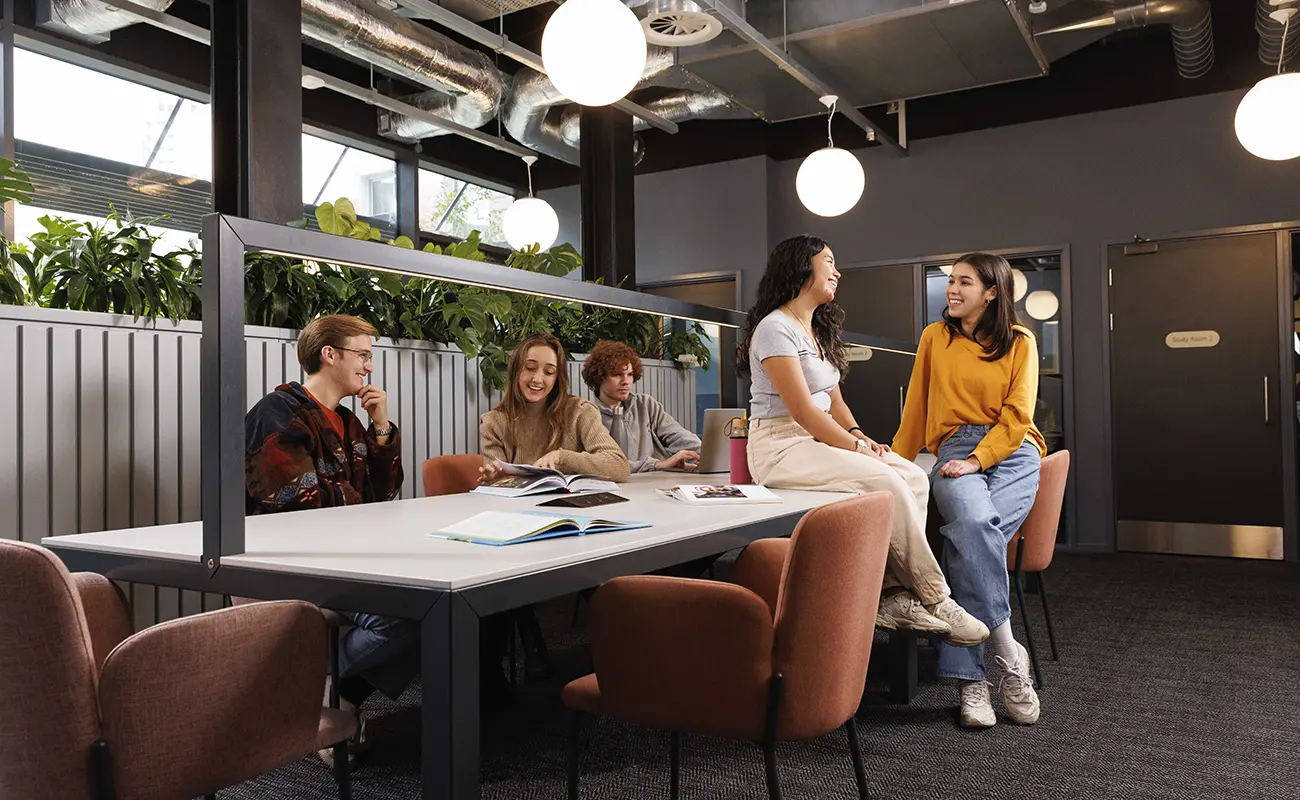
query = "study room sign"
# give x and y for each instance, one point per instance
(1183, 339)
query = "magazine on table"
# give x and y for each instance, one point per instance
(518, 480)
(722, 495)
(498, 528)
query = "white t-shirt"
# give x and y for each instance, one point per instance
(778, 334)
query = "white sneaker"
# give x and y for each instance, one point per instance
(976, 706)
(901, 610)
(967, 631)
(1019, 699)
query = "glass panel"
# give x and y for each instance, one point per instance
(454, 208)
(25, 224)
(319, 157)
(368, 180)
(73, 108)
(187, 147)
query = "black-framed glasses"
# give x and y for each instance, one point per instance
(366, 355)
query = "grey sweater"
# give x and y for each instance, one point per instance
(648, 431)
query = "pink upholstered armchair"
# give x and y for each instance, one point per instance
(178, 710)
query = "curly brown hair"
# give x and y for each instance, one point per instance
(607, 358)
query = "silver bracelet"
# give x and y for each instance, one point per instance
(385, 432)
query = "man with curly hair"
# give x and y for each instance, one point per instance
(651, 439)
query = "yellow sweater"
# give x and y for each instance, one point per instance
(951, 386)
(586, 448)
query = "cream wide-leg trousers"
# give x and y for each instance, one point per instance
(782, 455)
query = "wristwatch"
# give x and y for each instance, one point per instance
(383, 431)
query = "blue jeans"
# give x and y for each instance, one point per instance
(983, 510)
(383, 650)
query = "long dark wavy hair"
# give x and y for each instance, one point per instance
(789, 268)
(559, 404)
(993, 333)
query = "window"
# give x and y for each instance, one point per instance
(331, 170)
(455, 207)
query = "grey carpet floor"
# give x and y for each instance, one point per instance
(1179, 678)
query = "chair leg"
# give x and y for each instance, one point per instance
(575, 752)
(674, 765)
(212, 796)
(770, 734)
(1047, 614)
(342, 775)
(855, 749)
(103, 770)
(773, 780)
(1029, 636)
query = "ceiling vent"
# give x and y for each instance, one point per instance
(676, 23)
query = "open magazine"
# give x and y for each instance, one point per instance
(721, 495)
(525, 479)
(512, 527)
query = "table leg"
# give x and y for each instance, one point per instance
(902, 666)
(449, 716)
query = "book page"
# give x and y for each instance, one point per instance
(504, 526)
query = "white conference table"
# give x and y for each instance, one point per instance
(379, 558)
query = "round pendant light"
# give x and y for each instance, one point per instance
(530, 220)
(1268, 117)
(1042, 304)
(830, 180)
(594, 51)
(1020, 283)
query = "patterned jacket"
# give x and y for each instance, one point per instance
(294, 459)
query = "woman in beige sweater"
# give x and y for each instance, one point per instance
(540, 423)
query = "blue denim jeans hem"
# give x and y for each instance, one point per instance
(383, 650)
(982, 511)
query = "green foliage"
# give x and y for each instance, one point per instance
(14, 183)
(115, 268)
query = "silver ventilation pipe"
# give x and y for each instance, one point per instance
(1270, 36)
(1189, 21)
(91, 20)
(539, 116)
(467, 83)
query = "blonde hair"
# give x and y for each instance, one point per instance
(328, 331)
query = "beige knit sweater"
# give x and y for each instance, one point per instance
(585, 448)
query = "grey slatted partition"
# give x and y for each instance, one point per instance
(101, 429)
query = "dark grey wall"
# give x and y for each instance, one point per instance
(703, 219)
(1077, 181)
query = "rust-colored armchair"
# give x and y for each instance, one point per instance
(450, 474)
(779, 655)
(1030, 551)
(91, 712)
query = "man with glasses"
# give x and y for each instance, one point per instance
(305, 450)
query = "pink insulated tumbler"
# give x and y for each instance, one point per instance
(740, 460)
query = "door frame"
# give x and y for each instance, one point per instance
(715, 276)
(1071, 519)
(1286, 365)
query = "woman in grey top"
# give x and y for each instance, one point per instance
(650, 437)
(803, 436)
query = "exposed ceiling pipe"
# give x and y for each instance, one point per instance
(1189, 22)
(90, 20)
(537, 114)
(1270, 35)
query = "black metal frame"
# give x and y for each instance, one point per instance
(771, 726)
(449, 622)
(1018, 580)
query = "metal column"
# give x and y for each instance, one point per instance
(608, 197)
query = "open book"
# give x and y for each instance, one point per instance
(522, 479)
(512, 527)
(724, 495)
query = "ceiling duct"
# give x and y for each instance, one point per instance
(1270, 34)
(89, 20)
(675, 23)
(539, 116)
(1189, 22)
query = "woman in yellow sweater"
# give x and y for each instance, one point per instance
(540, 423)
(970, 403)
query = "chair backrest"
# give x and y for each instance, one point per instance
(451, 474)
(1039, 528)
(166, 692)
(48, 712)
(826, 612)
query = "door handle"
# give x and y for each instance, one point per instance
(1266, 400)
(900, 402)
